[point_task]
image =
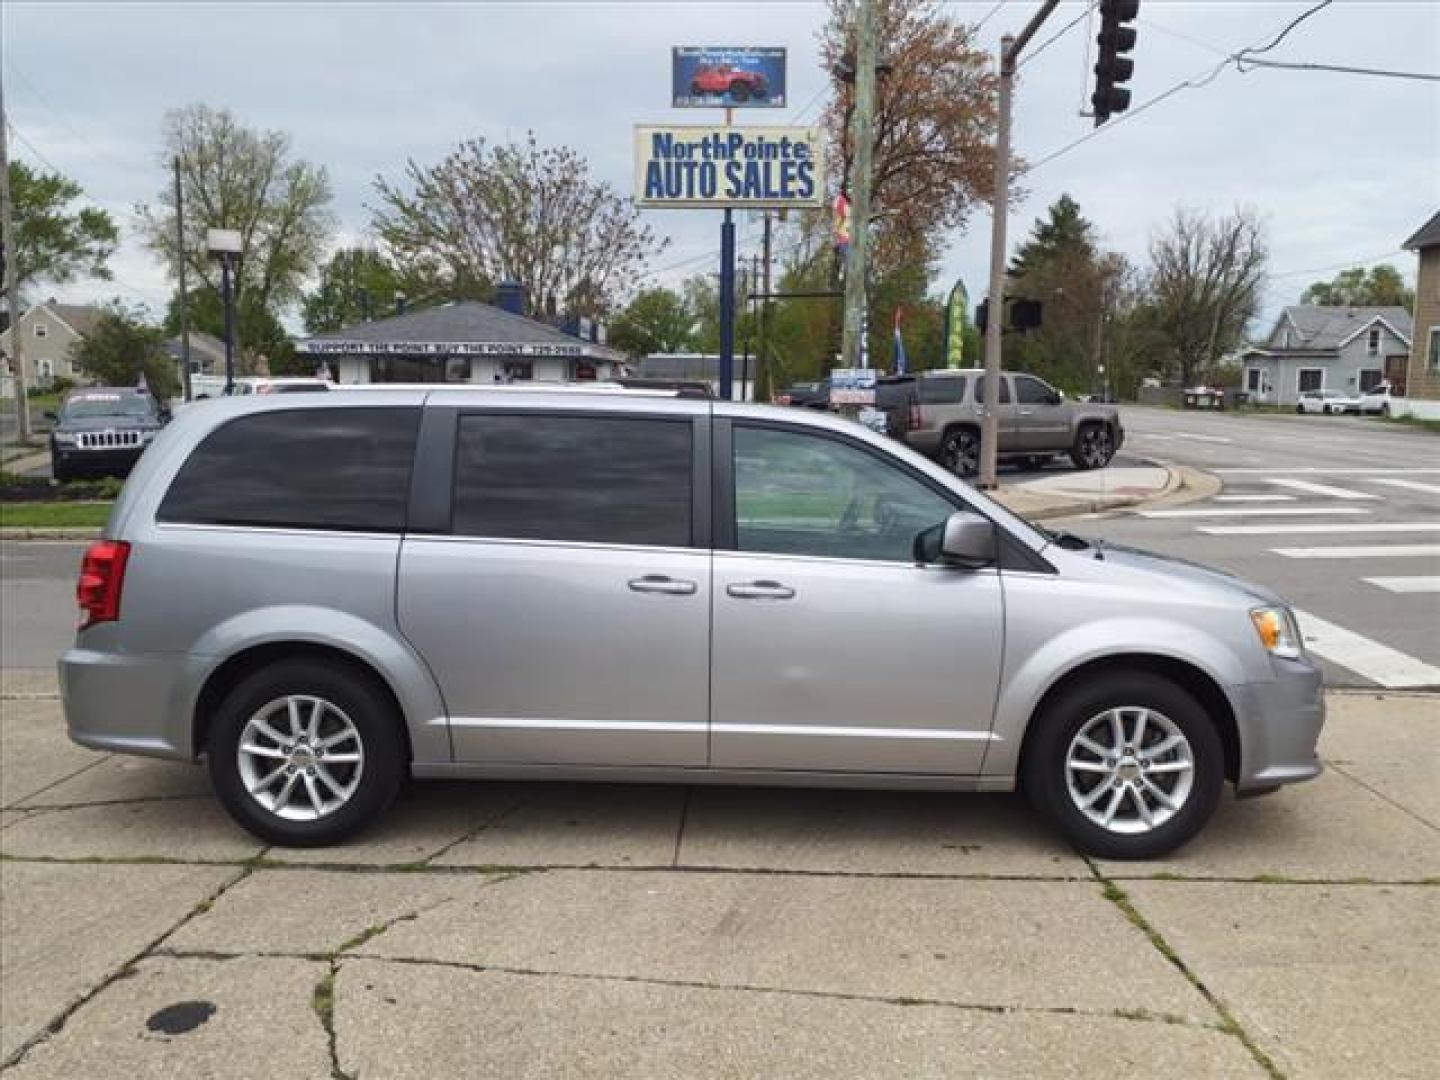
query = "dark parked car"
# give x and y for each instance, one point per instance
(103, 430)
(808, 395)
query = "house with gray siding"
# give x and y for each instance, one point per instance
(1348, 349)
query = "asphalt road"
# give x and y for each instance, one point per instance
(1340, 515)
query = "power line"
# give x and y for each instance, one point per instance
(1245, 65)
(1056, 36)
(986, 17)
(32, 148)
(1339, 265)
(1197, 81)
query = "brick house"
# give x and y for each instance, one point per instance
(1423, 378)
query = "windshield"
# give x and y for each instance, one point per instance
(93, 406)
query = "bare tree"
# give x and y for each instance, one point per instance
(518, 211)
(1206, 275)
(935, 123)
(235, 177)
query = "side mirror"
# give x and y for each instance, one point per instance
(1057, 397)
(965, 539)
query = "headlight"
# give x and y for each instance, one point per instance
(1278, 631)
(65, 438)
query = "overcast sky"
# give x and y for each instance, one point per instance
(1343, 168)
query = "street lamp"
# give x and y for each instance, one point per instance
(225, 244)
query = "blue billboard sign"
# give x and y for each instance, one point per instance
(711, 77)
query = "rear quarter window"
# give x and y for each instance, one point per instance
(945, 391)
(337, 469)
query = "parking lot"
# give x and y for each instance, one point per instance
(551, 930)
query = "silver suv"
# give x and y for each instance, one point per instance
(325, 593)
(1036, 422)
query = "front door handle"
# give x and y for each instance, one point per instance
(760, 590)
(659, 583)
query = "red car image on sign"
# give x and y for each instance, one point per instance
(723, 79)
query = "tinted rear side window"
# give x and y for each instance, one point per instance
(598, 479)
(949, 390)
(300, 468)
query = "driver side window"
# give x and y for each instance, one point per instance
(803, 494)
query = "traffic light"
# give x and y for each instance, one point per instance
(1021, 315)
(1112, 69)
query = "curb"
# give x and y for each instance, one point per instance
(1182, 485)
(28, 532)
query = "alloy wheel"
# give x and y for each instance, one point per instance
(962, 453)
(300, 757)
(1095, 447)
(1129, 769)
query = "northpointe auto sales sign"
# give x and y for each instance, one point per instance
(749, 167)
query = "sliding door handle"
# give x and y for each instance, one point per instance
(659, 583)
(760, 590)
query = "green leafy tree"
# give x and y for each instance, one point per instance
(55, 240)
(356, 284)
(655, 321)
(262, 343)
(241, 178)
(121, 346)
(1379, 286)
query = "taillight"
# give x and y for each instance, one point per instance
(914, 418)
(102, 575)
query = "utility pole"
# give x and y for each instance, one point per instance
(181, 256)
(1010, 48)
(762, 371)
(12, 276)
(863, 141)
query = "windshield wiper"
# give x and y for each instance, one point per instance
(1071, 542)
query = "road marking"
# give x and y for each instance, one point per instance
(1379, 663)
(1251, 511)
(1421, 584)
(1410, 485)
(1392, 551)
(1203, 438)
(1340, 527)
(1313, 470)
(1311, 488)
(1254, 498)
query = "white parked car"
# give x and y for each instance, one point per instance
(1327, 402)
(210, 386)
(1377, 399)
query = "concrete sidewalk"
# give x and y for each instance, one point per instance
(1044, 495)
(608, 930)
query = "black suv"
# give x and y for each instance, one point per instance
(103, 430)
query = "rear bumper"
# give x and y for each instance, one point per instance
(1279, 724)
(128, 704)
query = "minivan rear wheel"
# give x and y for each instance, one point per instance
(1126, 765)
(304, 753)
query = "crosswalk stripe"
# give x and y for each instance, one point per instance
(1251, 511)
(1314, 470)
(1423, 583)
(1379, 551)
(1310, 529)
(1254, 498)
(1409, 485)
(1379, 663)
(1311, 488)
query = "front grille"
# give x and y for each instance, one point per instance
(107, 440)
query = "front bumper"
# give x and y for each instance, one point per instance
(1279, 724)
(103, 461)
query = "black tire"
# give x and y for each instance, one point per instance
(359, 699)
(960, 451)
(1325, 410)
(1044, 769)
(59, 473)
(1299, 410)
(696, 90)
(1385, 409)
(1094, 447)
(739, 91)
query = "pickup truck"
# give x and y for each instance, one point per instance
(941, 414)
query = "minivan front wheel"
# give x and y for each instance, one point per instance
(960, 452)
(304, 753)
(1127, 766)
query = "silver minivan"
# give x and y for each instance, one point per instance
(324, 593)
